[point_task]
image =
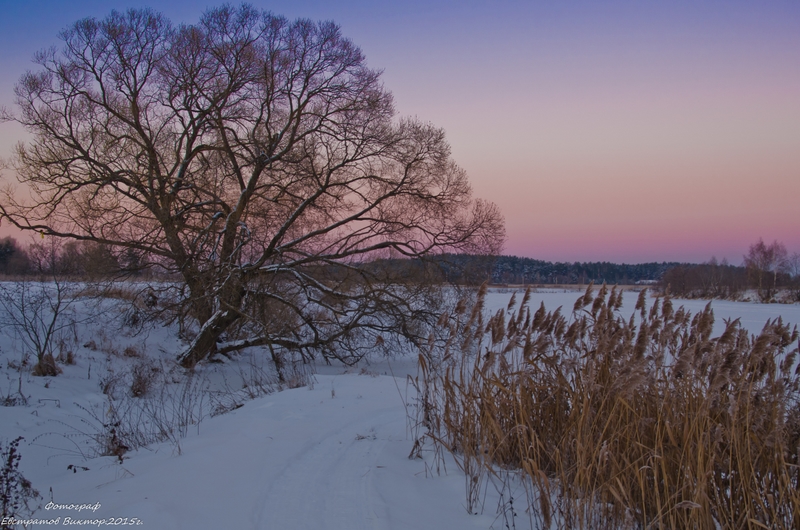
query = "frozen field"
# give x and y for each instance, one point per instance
(331, 455)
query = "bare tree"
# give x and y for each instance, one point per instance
(793, 270)
(793, 265)
(38, 308)
(764, 263)
(257, 158)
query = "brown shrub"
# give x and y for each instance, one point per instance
(143, 378)
(46, 367)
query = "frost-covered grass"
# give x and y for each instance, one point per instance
(227, 446)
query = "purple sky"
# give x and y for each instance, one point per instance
(627, 131)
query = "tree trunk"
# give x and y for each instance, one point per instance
(206, 340)
(231, 296)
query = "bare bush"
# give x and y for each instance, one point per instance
(16, 492)
(143, 378)
(15, 396)
(39, 313)
(125, 422)
(46, 366)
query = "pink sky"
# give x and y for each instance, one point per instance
(627, 132)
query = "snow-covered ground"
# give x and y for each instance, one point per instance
(332, 455)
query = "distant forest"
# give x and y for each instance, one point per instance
(513, 269)
(463, 268)
(90, 259)
(685, 280)
(779, 281)
(93, 260)
(776, 280)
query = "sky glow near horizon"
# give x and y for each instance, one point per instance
(625, 132)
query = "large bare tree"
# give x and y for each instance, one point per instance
(258, 158)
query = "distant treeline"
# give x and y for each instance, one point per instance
(71, 258)
(729, 282)
(471, 269)
(685, 280)
(513, 269)
(706, 280)
(92, 259)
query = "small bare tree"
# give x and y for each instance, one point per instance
(38, 313)
(259, 160)
(793, 269)
(764, 263)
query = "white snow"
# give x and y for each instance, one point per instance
(331, 455)
(302, 458)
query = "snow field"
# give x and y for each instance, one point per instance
(331, 455)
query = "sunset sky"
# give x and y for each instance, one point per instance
(617, 131)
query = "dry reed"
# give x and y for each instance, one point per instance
(646, 422)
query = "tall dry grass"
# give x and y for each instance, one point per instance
(645, 422)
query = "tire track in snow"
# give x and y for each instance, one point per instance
(330, 483)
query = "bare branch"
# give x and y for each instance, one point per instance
(251, 155)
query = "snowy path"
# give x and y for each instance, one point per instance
(299, 459)
(332, 482)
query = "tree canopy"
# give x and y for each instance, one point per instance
(247, 154)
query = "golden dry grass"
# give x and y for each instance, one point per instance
(645, 422)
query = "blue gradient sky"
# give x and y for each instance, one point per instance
(627, 131)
